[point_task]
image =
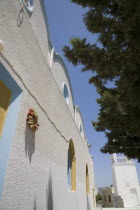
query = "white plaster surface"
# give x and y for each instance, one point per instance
(59, 74)
(126, 183)
(138, 208)
(36, 176)
(78, 120)
(37, 22)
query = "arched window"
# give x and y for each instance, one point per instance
(87, 181)
(65, 93)
(5, 95)
(71, 167)
(80, 128)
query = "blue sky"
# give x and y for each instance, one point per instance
(65, 22)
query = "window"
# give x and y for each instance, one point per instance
(127, 184)
(10, 99)
(71, 167)
(5, 95)
(29, 5)
(109, 197)
(65, 93)
(80, 128)
(104, 198)
(87, 181)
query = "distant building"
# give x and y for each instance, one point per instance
(108, 196)
(126, 190)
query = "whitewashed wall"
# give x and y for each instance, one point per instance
(36, 175)
(120, 208)
(79, 121)
(125, 180)
(60, 74)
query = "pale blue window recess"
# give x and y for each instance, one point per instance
(69, 170)
(81, 129)
(65, 93)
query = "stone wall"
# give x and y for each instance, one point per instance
(107, 197)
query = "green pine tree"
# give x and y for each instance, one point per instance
(117, 60)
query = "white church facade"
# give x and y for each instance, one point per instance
(125, 192)
(44, 156)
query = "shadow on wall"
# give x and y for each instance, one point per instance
(29, 143)
(88, 203)
(20, 17)
(35, 208)
(49, 194)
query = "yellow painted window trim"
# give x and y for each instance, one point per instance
(87, 181)
(73, 175)
(5, 96)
